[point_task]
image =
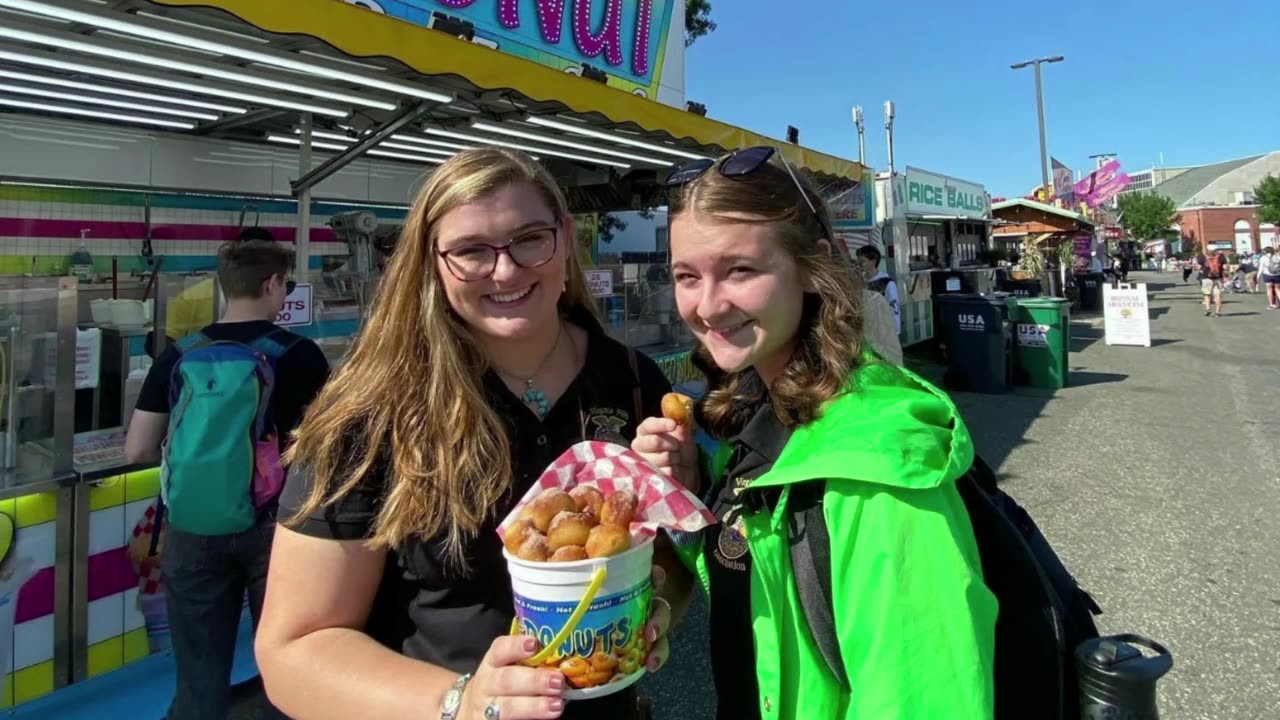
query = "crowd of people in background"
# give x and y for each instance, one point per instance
(1250, 273)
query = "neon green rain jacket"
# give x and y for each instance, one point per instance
(915, 623)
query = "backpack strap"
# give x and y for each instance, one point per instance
(811, 567)
(276, 343)
(636, 393)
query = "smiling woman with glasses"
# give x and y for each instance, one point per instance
(482, 361)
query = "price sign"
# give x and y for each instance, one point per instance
(297, 308)
(600, 283)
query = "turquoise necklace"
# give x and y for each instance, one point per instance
(533, 397)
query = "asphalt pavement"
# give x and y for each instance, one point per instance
(1156, 476)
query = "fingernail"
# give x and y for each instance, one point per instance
(659, 576)
(651, 633)
(530, 644)
(652, 663)
(557, 682)
(557, 705)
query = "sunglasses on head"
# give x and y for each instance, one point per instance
(740, 164)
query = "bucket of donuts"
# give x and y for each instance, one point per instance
(579, 548)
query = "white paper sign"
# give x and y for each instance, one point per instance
(600, 283)
(88, 358)
(298, 307)
(1127, 315)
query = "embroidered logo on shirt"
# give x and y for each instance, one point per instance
(609, 424)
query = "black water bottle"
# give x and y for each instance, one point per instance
(1118, 680)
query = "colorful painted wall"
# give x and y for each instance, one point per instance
(27, 598)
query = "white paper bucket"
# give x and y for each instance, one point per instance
(546, 594)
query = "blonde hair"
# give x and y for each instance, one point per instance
(830, 332)
(410, 399)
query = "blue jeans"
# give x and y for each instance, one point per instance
(205, 579)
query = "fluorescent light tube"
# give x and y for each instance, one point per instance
(122, 117)
(384, 144)
(526, 148)
(121, 51)
(62, 82)
(287, 140)
(49, 60)
(513, 132)
(152, 31)
(106, 102)
(610, 137)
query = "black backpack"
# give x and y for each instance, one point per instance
(1044, 615)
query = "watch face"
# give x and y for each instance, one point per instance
(452, 700)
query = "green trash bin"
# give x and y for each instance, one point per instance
(1042, 340)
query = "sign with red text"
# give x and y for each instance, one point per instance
(1127, 315)
(298, 307)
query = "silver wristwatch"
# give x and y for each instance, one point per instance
(452, 701)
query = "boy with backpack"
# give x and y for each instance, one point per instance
(216, 410)
(1213, 270)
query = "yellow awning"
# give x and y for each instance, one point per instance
(360, 33)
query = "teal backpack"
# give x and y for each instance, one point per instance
(222, 455)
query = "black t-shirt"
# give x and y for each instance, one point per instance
(733, 657)
(300, 373)
(430, 611)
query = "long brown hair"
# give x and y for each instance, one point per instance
(409, 401)
(829, 337)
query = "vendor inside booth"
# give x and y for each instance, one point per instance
(316, 126)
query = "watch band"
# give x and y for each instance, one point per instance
(452, 701)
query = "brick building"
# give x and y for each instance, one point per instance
(1217, 206)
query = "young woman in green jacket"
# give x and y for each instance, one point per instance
(801, 407)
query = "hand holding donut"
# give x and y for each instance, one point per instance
(667, 442)
(515, 692)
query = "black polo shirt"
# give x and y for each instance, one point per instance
(429, 611)
(733, 657)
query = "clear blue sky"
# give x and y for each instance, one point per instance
(1199, 85)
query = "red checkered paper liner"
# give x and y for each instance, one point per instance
(610, 468)
(150, 581)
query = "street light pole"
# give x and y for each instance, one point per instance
(1044, 148)
(862, 138)
(889, 113)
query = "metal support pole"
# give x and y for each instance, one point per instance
(368, 142)
(1044, 150)
(302, 240)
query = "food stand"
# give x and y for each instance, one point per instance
(939, 228)
(318, 125)
(1035, 227)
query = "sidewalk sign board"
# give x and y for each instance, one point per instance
(1127, 314)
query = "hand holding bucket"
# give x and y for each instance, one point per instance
(592, 616)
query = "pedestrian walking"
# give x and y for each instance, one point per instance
(1269, 271)
(1188, 267)
(1212, 274)
(879, 281)
(222, 401)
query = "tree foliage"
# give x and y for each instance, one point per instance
(1148, 216)
(609, 224)
(697, 20)
(1267, 195)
